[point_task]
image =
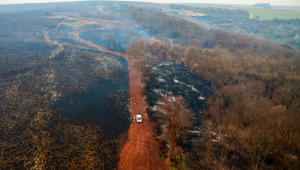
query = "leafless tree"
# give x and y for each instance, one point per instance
(177, 118)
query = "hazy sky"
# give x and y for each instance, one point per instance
(272, 2)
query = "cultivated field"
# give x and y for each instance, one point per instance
(272, 13)
(262, 13)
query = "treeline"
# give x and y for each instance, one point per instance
(253, 116)
(117, 13)
(116, 40)
(280, 30)
(253, 119)
(100, 15)
(184, 33)
(210, 10)
(159, 24)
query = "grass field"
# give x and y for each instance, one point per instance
(262, 13)
(272, 13)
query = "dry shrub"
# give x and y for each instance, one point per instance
(50, 142)
(250, 132)
(31, 135)
(176, 117)
(253, 118)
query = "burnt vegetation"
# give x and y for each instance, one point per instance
(36, 129)
(176, 117)
(251, 119)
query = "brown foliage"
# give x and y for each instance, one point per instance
(252, 121)
(176, 53)
(244, 127)
(137, 49)
(254, 129)
(177, 117)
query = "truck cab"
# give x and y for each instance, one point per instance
(138, 118)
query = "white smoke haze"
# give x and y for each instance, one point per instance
(245, 2)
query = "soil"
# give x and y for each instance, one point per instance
(141, 150)
(109, 24)
(46, 33)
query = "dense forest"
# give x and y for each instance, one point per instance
(238, 21)
(256, 124)
(164, 27)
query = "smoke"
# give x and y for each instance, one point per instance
(115, 39)
(280, 27)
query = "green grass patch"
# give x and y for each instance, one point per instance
(261, 12)
(272, 13)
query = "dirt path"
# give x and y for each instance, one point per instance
(46, 33)
(141, 148)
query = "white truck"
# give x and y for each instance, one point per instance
(138, 118)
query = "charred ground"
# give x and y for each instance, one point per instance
(48, 118)
(251, 118)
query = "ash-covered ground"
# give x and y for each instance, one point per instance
(105, 104)
(174, 79)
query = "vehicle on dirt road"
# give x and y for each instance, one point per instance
(138, 118)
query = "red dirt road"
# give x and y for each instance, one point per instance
(46, 33)
(141, 148)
